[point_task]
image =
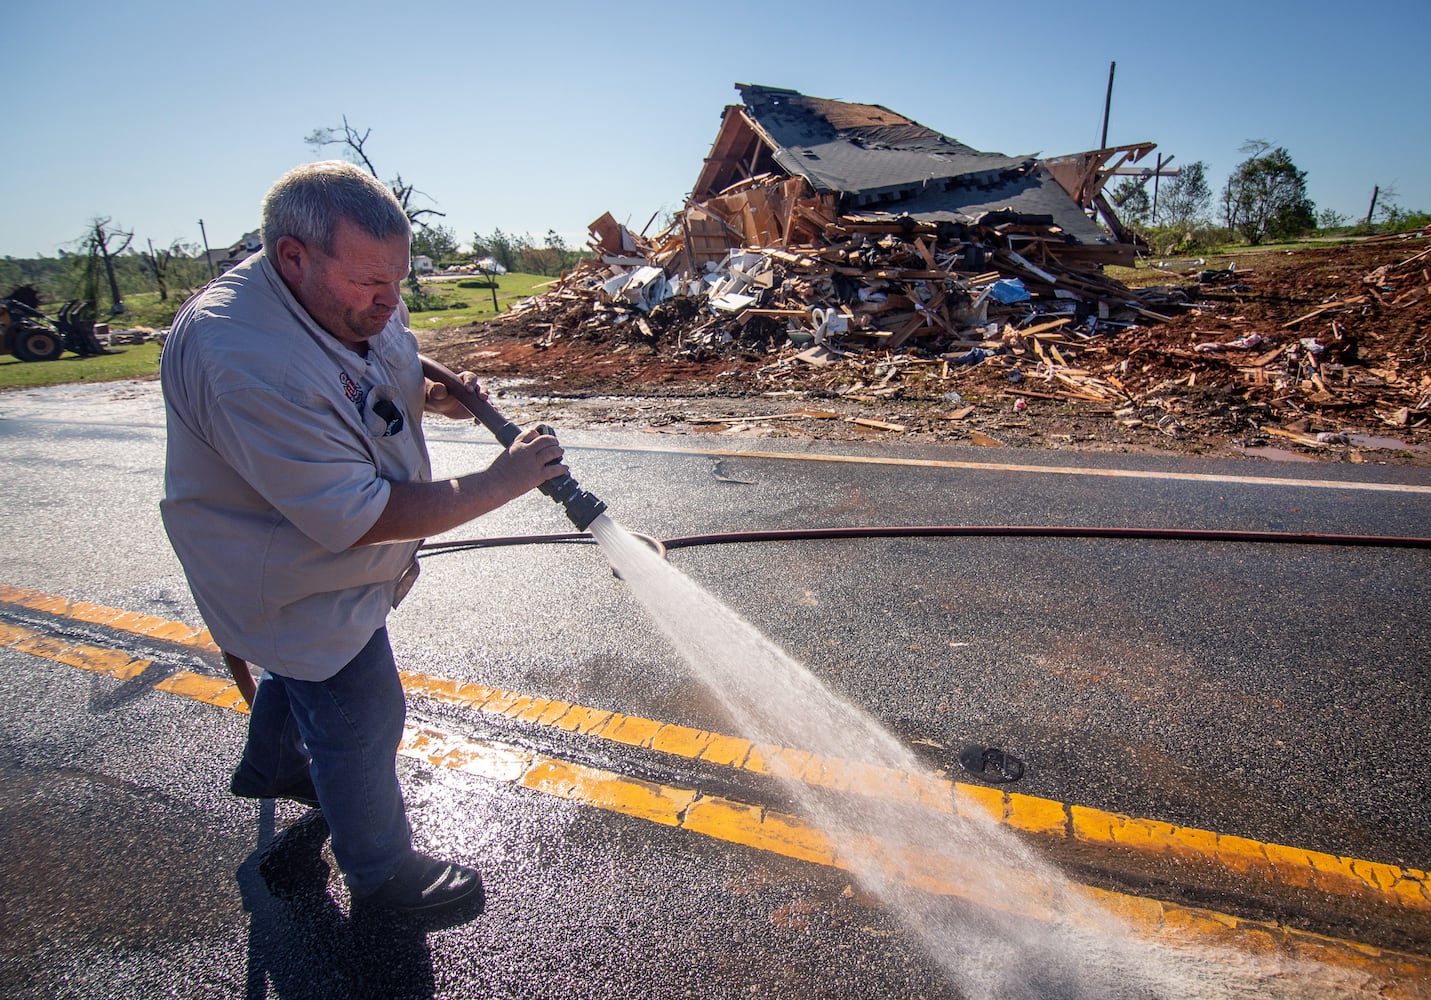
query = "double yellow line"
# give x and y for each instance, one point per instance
(1391, 888)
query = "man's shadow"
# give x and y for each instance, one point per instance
(302, 945)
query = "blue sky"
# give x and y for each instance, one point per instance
(537, 116)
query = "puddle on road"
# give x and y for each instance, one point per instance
(1384, 443)
(1368, 442)
(1272, 454)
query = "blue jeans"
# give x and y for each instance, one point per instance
(344, 732)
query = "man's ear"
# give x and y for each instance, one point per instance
(293, 259)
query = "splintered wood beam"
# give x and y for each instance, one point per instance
(1355, 300)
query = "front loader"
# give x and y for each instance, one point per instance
(30, 335)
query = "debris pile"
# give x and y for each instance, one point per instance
(1000, 289)
(1312, 340)
(844, 250)
(1260, 347)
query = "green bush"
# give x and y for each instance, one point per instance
(1175, 241)
(424, 301)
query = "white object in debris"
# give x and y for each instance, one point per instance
(734, 283)
(731, 301)
(1240, 344)
(645, 288)
(828, 323)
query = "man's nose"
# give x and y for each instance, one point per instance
(389, 295)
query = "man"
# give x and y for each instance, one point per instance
(297, 489)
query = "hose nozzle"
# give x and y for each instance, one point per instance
(581, 507)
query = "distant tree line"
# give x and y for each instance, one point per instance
(104, 267)
(1263, 200)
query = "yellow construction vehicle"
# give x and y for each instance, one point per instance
(30, 335)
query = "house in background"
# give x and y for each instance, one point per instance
(784, 165)
(221, 259)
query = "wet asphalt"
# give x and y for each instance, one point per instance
(1277, 692)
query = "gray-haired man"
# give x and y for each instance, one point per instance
(297, 488)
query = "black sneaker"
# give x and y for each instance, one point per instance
(301, 791)
(427, 887)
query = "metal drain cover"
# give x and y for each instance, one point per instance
(991, 764)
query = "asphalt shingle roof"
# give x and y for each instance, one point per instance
(883, 162)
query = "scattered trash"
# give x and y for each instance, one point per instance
(1008, 291)
(1213, 276)
(970, 357)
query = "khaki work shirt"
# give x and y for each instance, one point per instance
(277, 464)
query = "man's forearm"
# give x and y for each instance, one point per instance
(421, 510)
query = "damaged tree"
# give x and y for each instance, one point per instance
(355, 142)
(99, 244)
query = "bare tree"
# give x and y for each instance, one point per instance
(156, 262)
(355, 143)
(100, 244)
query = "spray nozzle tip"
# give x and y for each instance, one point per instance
(582, 508)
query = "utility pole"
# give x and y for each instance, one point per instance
(1157, 173)
(1375, 190)
(207, 258)
(1107, 104)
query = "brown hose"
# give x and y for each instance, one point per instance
(1049, 531)
(243, 677)
(952, 531)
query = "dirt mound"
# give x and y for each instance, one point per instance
(1305, 349)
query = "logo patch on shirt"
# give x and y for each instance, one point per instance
(351, 389)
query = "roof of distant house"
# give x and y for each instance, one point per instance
(883, 163)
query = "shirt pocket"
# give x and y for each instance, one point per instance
(383, 413)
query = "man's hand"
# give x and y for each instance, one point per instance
(531, 460)
(439, 400)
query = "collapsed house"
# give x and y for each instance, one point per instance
(836, 227)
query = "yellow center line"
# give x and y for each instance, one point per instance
(1048, 470)
(729, 820)
(1276, 864)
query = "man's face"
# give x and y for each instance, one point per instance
(352, 292)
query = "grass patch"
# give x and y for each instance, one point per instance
(454, 303)
(142, 309)
(129, 362)
(145, 310)
(1143, 273)
(469, 300)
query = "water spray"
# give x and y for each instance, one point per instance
(581, 506)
